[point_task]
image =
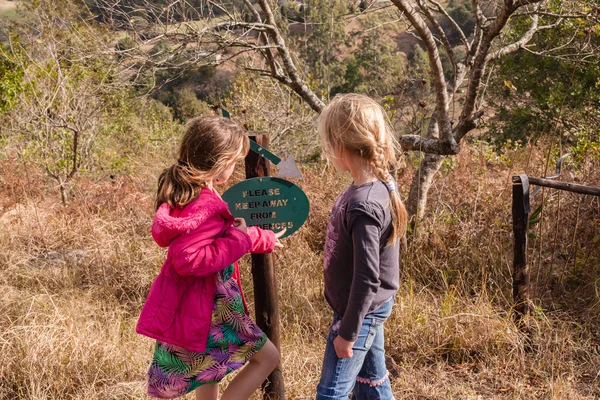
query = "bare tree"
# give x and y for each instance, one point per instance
(65, 92)
(486, 45)
(249, 35)
(217, 33)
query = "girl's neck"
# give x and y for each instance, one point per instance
(360, 172)
(362, 179)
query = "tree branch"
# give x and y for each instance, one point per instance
(438, 73)
(438, 29)
(480, 18)
(467, 125)
(511, 48)
(420, 143)
(442, 10)
(490, 32)
(550, 14)
(267, 53)
(426, 145)
(296, 81)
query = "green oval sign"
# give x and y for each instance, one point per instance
(269, 203)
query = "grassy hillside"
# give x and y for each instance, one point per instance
(74, 278)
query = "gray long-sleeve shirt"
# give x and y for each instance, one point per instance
(361, 271)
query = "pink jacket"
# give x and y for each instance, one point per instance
(202, 242)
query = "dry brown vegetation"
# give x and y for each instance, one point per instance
(73, 280)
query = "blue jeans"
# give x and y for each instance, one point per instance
(365, 374)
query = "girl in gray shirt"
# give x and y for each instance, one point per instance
(361, 249)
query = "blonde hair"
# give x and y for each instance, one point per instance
(358, 124)
(209, 145)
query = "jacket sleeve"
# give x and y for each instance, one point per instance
(263, 241)
(214, 256)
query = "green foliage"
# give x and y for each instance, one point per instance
(519, 124)
(68, 91)
(320, 47)
(125, 47)
(552, 83)
(376, 67)
(160, 50)
(10, 11)
(184, 103)
(11, 77)
(534, 219)
(291, 11)
(419, 64)
(462, 14)
(190, 92)
(418, 82)
(586, 145)
(353, 77)
(140, 125)
(556, 94)
(207, 82)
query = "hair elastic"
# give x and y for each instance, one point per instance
(182, 163)
(391, 186)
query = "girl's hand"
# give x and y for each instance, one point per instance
(278, 244)
(240, 223)
(343, 348)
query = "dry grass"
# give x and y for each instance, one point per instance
(74, 278)
(6, 5)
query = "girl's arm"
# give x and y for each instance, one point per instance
(263, 241)
(365, 281)
(208, 258)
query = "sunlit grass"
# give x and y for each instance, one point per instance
(73, 280)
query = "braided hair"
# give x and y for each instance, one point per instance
(358, 124)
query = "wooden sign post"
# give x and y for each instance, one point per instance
(275, 204)
(266, 301)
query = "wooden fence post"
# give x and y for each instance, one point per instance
(520, 214)
(266, 300)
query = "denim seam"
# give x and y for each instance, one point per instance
(370, 336)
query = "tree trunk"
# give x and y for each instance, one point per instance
(63, 192)
(417, 197)
(423, 178)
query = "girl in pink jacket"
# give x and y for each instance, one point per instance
(196, 309)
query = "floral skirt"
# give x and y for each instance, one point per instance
(233, 339)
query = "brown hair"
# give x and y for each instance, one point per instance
(209, 145)
(358, 124)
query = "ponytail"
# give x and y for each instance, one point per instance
(178, 185)
(209, 145)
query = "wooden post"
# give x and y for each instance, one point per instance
(266, 300)
(520, 214)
